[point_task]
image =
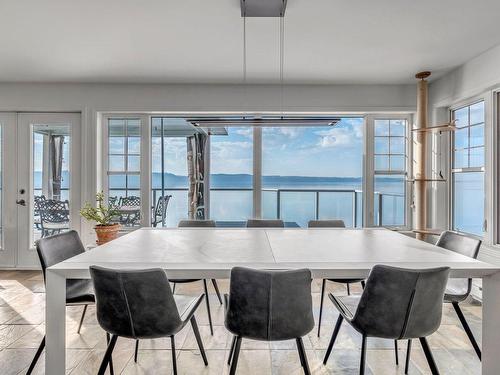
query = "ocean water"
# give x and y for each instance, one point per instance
(297, 198)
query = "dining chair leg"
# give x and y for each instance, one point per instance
(428, 356)
(208, 307)
(107, 356)
(37, 355)
(111, 370)
(198, 339)
(234, 361)
(467, 329)
(363, 284)
(321, 305)
(303, 356)
(173, 288)
(216, 287)
(334, 337)
(231, 351)
(81, 319)
(174, 359)
(348, 289)
(396, 352)
(362, 361)
(408, 353)
(136, 350)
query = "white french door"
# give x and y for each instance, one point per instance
(40, 181)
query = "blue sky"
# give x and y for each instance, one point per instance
(294, 151)
(299, 151)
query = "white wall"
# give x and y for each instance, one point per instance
(478, 78)
(472, 78)
(90, 99)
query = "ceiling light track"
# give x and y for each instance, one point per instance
(263, 8)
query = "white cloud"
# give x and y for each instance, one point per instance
(339, 137)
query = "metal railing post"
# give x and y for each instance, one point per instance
(317, 205)
(278, 204)
(380, 209)
(354, 209)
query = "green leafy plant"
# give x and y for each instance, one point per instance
(102, 214)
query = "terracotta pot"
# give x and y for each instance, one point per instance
(106, 233)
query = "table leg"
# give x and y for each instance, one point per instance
(491, 325)
(55, 324)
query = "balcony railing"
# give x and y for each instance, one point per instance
(299, 205)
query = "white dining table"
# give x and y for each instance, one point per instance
(211, 253)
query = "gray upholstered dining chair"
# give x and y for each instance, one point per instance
(269, 306)
(396, 304)
(263, 223)
(139, 304)
(194, 224)
(457, 290)
(331, 224)
(52, 250)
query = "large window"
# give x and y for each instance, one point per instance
(468, 169)
(231, 175)
(124, 154)
(390, 169)
(311, 173)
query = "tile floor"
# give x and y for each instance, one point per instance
(22, 301)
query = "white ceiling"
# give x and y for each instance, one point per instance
(200, 41)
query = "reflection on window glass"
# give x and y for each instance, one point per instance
(390, 172)
(389, 200)
(231, 175)
(124, 149)
(468, 172)
(51, 179)
(169, 170)
(468, 202)
(313, 173)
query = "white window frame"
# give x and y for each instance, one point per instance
(368, 161)
(145, 161)
(369, 172)
(486, 169)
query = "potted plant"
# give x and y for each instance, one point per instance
(106, 229)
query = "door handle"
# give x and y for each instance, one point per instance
(21, 202)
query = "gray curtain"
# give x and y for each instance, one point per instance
(196, 153)
(56, 158)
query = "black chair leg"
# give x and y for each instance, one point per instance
(428, 356)
(198, 339)
(303, 356)
(348, 289)
(216, 287)
(396, 352)
(174, 359)
(334, 337)
(321, 305)
(37, 355)
(81, 319)
(231, 351)
(408, 353)
(363, 284)
(234, 361)
(467, 329)
(136, 350)
(362, 362)
(208, 307)
(107, 356)
(173, 288)
(111, 370)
